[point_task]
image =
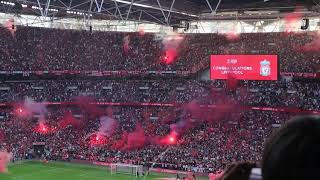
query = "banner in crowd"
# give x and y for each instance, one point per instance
(303, 75)
(244, 67)
(168, 171)
(98, 163)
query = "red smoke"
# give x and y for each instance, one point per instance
(314, 45)
(21, 112)
(171, 46)
(69, 120)
(132, 140)
(292, 20)
(126, 44)
(121, 142)
(42, 128)
(172, 138)
(97, 139)
(195, 112)
(4, 161)
(213, 176)
(232, 36)
(11, 26)
(170, 56)
(141, 31)
(136, 139)
(87, 105)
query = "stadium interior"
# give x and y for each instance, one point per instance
(151, 89)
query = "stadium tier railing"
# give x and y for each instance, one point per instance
(131, 73)
(274, 109)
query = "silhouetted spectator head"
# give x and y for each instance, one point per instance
(293, 153)
(237, 171)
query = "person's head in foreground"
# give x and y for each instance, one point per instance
(293, 153)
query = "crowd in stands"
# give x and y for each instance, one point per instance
(205, 143)
(297, 94)
(205, 147)
(41, 49)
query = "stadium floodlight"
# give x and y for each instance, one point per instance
(153, 7)
(130, 169)
(135, 4)
(7, 3)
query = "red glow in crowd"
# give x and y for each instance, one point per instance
(170, 56)
(97, 139)
(19, 111)
(171, 138)
(42, 128)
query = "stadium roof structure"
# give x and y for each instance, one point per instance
(165, 12)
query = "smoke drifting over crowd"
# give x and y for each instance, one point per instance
(69, 120)
(171, 43)
(4, 161)
(293, 20)
(189, 106)
(126, 44)
(232, 36)
(107, 126)
(31, 107)
(10, 26)
(135, 139)
(314, 45)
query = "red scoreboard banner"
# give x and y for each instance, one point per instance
(244, 67)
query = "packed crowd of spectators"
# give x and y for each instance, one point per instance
(206, 146)
(33, 49)
(207, 140)
(251, 93)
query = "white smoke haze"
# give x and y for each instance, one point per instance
(107, 126)
(172, 40)
(160, 36)
(169, 40)
(32, 107)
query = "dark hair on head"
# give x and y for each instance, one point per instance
(293, 153)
